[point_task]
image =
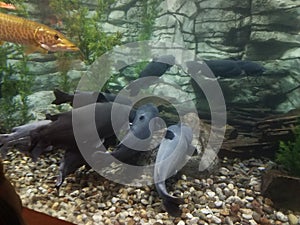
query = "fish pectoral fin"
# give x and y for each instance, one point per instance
(29, 49)
(193, 151)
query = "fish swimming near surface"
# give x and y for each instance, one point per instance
(36, 37)
(225, 68)
(7, 6)
(156, 68)
(172, 155)
(251, 68)
(88, 97)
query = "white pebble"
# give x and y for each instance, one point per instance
(247, 216)
(97, 218)
(249, 198)
(181, 222)
(206, 211)
(193, 221)
(114, 200)
(210, 194)
(230, 186)
(216, 219)
(218, 204)
(280, 216)
(252, 222)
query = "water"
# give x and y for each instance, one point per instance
(249, 50)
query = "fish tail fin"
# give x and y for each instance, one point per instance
(61, 97)
(60, 180)
(171, 205)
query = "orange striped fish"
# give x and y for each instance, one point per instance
(35, 36)
(7, 6)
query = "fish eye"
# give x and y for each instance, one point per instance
(56, 37)
(142, 117)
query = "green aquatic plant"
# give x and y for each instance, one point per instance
(15, 88)
(85, 28)
(289, 154)
(148, 16)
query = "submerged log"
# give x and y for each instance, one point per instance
(258, 132)
(282, 189)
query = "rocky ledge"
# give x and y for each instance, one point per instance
(230, 196)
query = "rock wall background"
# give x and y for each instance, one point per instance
(265, 31)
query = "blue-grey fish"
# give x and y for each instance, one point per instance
(139, 135)
(173, 153)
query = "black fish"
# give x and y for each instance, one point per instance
(60, 133)
(251, 68)
(88, 97)
(226, 68)
(156, 68)
(71, 161)
(172, 155)
(20, 139)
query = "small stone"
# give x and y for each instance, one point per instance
(97, 218)
(230, 186)
(55, 206)
(181, 222)
(143, 213)
(268, 209)
(249, 198)
(157, 223)
(101, 205)
(218, 204)
(79, 218)
(256, 216)
(252, 222)
(114, 200)
(227, 192)
(194, 221)
(189, 215)
(107, 221)
(216, 219)
(280, 216)
(228, 220)
(224, 171)
(225, 212)
(210, 194)
(247, 216)
(264, 221)
(206, 211)
(144, 202)
(210, 181)
(293, 220)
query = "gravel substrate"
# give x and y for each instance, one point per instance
(230, 196)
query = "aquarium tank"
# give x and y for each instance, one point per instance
(149, 112)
